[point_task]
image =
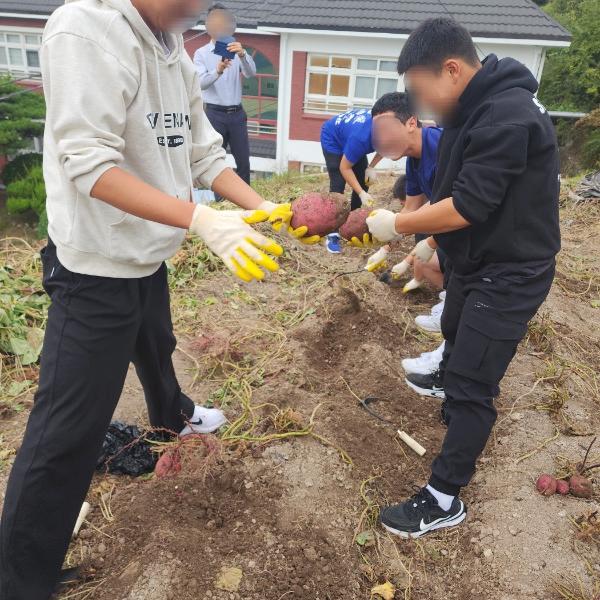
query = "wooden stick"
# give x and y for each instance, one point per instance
(83, 513)
(412, 444)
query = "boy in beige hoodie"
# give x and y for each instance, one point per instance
(126, 140)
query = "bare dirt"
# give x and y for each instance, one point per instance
(277, 514)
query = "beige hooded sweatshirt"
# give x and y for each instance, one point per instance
(114, 98)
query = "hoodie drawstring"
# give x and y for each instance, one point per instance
(164, 127)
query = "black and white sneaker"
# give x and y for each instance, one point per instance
(427, 385)
(421, 514)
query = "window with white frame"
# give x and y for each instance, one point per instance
(336, 83)
(19, 52)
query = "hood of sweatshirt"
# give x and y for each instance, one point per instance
(143, 32)
(495, 76)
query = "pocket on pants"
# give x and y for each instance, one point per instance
(486, 344)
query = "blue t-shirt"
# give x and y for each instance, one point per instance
(349, 134)
(420, 172)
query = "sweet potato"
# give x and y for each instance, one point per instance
(356, 224)
(168, 464)
(562, 487)
(321, 213)
(546, 485)
(580, 486)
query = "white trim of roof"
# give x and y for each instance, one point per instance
(404, 36)
(239, 30)
(24, 16)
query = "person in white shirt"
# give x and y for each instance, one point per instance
(221, 83)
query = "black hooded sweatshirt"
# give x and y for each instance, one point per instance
(498, 160)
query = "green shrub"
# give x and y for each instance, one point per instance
(587, 133)
(18, 168)
(29, 193)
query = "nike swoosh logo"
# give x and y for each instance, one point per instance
(423, 526)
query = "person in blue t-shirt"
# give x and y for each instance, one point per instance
(397, 133)
(347, 141)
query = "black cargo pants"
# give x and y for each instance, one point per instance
(485, 317)
(96, 327)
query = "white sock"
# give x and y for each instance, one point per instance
(444, 500)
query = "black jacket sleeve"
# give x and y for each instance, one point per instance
(493, 157)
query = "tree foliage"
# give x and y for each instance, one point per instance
(29, 193)
(571, 79)
(21, 116)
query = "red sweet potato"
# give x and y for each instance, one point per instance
(321, 213)
(168, 464)
(562, 487)
(356, 224)
(546, 485)
(580, 486)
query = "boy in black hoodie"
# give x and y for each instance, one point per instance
(494, 211)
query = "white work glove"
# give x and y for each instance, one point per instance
(370, 176)
(399, 270)
(413, 284)
(378, 260)
(366, 199)
(235, 242)
(382, 225)
(423, 251)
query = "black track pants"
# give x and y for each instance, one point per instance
(96, 327)
(337, 183)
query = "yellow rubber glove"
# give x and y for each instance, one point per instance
(242, 249)
(280, 217)
(365, 242)
(300, 234)
(378, 260)
(271, 212)
(413, 284)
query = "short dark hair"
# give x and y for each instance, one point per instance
(217, 6)
(433, 42)
(395, 102)
(399, 190)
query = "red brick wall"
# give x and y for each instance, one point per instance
(25, 23)
(302, 126)
(267, 44)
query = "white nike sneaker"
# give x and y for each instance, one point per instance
(204, 420)
(425, 364)
(433, 321)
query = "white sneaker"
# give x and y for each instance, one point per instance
(433, 321)
(425, 364)
(204, 420)
(438, 309)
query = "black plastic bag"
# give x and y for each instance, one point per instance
(126, 450)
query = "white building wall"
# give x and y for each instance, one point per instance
(529, 53)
